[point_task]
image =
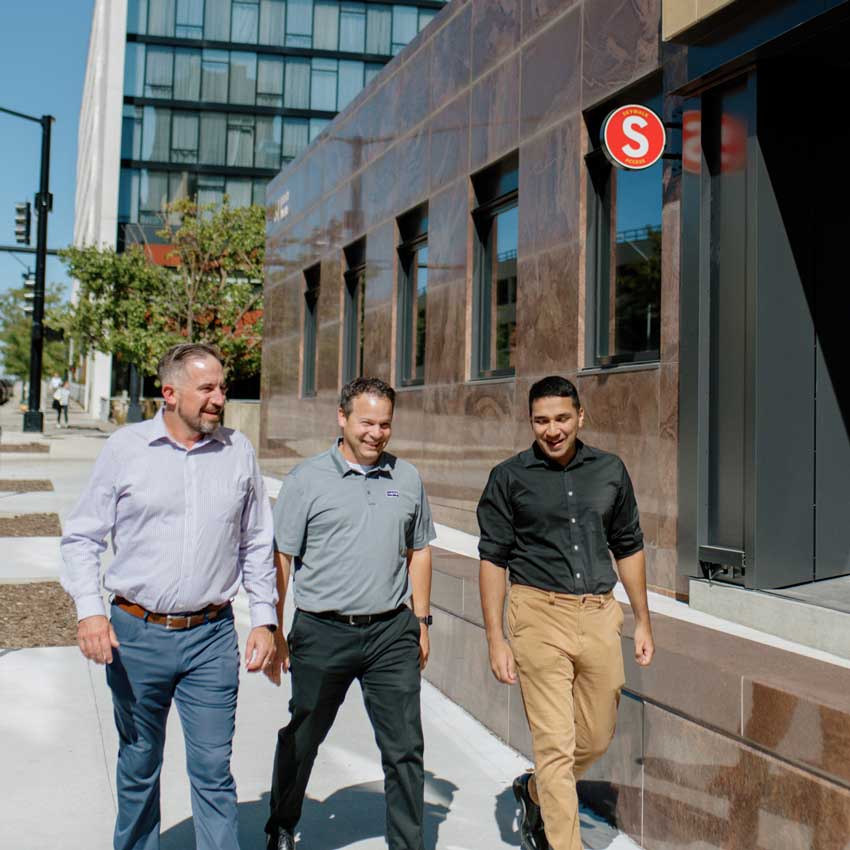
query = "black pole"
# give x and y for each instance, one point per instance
(134, 410)
(34, 418)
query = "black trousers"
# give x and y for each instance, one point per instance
(326, 657)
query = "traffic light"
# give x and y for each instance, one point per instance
(23, 219)
(29, 293)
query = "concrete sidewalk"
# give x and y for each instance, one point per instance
(59, 741)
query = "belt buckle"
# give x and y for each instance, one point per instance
(351, 620)
(168, 620)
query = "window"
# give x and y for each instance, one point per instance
(131, 133)
(246, 16)
(299, 23)
(190, 19)
(295, 137)
(624, 257)
(316, 127)
(187, 74)
(269, 81)
(210, 189)
(160, 17)
(326, 25)
(156, 134)
(217, 20)
(240, 140)
(405, 26)
(243, 77)
(272, 22)
(425, 17)
(312, 279)
(184, 137)
(213, 149)
(412, 295)
(495, 287)
(379, 26)
(128, 195)
(323, 85)
(354, 317)
(372, 71)
(214, 74)
(258, 192)
(350, 82)
(137, 16)
(352, 27)
(159, 72)
(134, 69)
(296, 91)
(239, 191)
(153, 194)
(268, 138)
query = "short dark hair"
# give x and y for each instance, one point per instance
(174, 360)
(364, 386)
(556, 386)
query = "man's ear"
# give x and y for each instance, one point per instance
(169, 394)
(340, 417)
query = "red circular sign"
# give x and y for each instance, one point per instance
(633, 137)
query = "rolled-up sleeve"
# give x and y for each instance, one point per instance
(255, 550)
(495, 520)
(85, 536)
(422, 530)
(290, 517)
(625, 536)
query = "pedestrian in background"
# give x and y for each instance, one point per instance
(550, 515)
(355, 523)
(63, 397)
(184, 503)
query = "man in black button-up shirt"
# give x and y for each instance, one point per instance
(550, 516)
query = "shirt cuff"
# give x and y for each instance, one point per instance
(90, 606)
(263, 614)
(627, 551)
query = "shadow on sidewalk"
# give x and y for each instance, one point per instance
(347, 816)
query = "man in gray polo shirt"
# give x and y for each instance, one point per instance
(355, 524)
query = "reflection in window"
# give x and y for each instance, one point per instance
(497, 229)
(626, 258)
(153, 195)
(243, 77)
(156, 134)
(413, 294)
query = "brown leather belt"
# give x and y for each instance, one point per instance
(171, 621)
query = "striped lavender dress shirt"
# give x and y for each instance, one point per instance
(187, 526)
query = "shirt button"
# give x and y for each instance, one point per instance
(578, 575)
(572, 519)
(570, 493)
(576, 547)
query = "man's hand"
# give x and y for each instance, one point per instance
(97, 639)
(502, 661)
(424, 645)
(280, 663)
(644, 644)
(259, 650)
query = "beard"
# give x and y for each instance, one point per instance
(198, 423)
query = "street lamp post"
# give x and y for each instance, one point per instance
(34, 418)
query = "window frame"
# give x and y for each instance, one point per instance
(413, 235)
(354, 311)
(309, 359)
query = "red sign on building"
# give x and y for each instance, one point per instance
(633, 137)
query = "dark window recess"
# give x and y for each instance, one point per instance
(624, 251)
(312, 278)
(495, 269)
(354, 318)
(413, 294)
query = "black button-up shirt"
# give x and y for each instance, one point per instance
(553, 526)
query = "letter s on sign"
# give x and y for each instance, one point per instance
(629, 125)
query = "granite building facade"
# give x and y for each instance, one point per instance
(458, 231)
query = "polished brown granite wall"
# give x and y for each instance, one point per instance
(487, 77)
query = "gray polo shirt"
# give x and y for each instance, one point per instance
(349, 533)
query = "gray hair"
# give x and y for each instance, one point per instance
(173, 362)
(364, 386)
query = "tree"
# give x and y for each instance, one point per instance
(211, 291)
(16, 333)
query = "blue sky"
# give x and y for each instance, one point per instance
(43, 48)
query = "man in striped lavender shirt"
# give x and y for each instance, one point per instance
(183, 501)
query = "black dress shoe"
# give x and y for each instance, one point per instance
(283, 840)
(531, 832)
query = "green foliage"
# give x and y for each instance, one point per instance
(16, 332)
(129, 306)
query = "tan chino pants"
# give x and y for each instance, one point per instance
(570, 665)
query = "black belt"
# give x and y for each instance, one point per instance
(356, 619)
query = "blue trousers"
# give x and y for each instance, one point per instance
(198, 669)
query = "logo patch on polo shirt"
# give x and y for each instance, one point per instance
(394, 493)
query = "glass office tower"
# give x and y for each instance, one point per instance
(220, 94)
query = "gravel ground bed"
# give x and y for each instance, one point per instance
(21, 485)
(25, 448)
(37, 614)
(30, 525)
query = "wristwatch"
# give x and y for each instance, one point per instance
(427, 620)
(271, 627)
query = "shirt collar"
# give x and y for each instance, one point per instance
(534, 456)
(158, 431)
(384, 463)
